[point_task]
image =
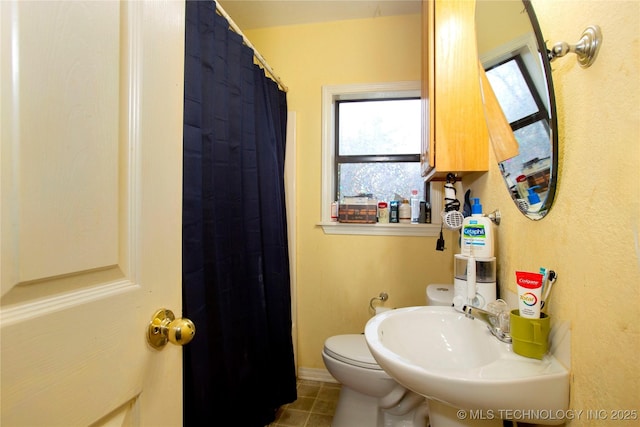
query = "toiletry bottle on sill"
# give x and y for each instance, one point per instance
(404, 212)
(393, 211)
(415, 207)
(383, 213)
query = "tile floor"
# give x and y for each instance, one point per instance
(314, 408)
(316, 404)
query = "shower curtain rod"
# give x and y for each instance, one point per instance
(259, 57)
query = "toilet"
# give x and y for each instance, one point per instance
(368, 396)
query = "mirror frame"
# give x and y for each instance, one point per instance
(553, 122)
(553, 118)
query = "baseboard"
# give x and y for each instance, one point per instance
(314, 374)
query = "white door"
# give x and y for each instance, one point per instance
(91, 189)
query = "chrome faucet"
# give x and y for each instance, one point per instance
(497, 323)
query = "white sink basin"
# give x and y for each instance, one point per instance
(450, 359)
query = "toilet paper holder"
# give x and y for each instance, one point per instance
(382, 297)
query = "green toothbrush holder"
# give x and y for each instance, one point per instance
(530, 337)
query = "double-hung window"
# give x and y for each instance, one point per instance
(513, 70)
(377, 148)
(371, 147)
(524, 110)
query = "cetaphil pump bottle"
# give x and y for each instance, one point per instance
(477, 233)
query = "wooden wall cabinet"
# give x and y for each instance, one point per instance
(455, 137)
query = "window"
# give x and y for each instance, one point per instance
(371, 145)
(377, 146)
(523, 108)
(518, 63)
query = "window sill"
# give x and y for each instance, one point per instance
(395, 229)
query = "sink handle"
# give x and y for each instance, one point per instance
(497, 323)
(500, 310)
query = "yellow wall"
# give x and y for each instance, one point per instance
(337, 275)
(590, 237)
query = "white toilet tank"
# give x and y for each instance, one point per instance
(439, 294)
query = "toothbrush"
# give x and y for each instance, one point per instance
(547, 292)
(545, 277)
(471, 278)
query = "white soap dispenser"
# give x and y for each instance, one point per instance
(477, 233)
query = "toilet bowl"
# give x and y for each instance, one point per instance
(368, 396)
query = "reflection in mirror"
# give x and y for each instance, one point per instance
(513, 54)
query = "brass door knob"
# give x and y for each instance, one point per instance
(165, 327)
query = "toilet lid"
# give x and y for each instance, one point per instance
(351, 349)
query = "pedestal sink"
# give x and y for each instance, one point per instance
(468, 376)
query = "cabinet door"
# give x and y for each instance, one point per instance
(505, 145)
(427, 158)
(456, 139)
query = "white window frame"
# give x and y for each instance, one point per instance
(333, 93)
(527, 46)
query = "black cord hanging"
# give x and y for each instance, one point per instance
(450, 202)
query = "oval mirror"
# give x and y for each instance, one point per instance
(514, 56)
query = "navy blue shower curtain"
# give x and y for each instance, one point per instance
(236, 284)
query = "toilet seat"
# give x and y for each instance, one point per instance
(351, 349)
